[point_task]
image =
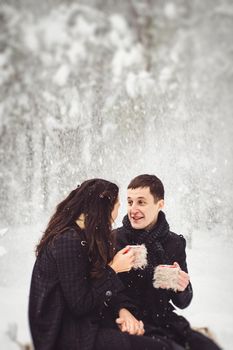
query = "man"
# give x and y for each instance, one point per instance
(146, 224)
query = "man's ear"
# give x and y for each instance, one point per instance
(161, 203)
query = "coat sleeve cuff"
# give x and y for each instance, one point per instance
(183, 299)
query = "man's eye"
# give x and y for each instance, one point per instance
(129, 203)
(141, 202)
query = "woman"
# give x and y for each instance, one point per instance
(75, 294)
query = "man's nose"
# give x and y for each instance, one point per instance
(134, 208)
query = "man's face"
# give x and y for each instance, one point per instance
(142, 209)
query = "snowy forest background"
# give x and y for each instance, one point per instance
(113, 89)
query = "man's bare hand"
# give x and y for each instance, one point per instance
(183, 279)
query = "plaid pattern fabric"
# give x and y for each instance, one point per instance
(64, 303)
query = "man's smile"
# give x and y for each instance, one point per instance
(136, 218)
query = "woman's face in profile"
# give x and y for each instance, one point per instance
(115, 210)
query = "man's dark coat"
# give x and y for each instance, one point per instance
(154, 306)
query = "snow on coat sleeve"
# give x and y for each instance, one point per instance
(82, 294)
(182, 299)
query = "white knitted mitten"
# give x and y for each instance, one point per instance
(140, 253)
(166, 276)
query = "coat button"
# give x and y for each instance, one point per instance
(108, 293)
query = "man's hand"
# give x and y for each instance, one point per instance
(183, 279)
(128, 323)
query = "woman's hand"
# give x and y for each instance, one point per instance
(123, 260)
(128, 323)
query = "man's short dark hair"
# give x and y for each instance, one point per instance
(151, 181)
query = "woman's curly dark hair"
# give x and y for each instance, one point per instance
(95, 199)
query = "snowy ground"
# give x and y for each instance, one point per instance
(211, 271)
(210, 267)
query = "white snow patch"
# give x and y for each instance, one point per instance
(62, 75)
(53, 31)
(14, 306)
(139, 84)
(165, 76)
(76, 53)
(30, 39)
(108, 129)
(119, 24)
(84, 29)
(170, 10)
(74, 108)
(52, 123)
(208, 261)
(3, 231)
(6, 343)
(86, 153)
(2, 251)
(4, 58)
